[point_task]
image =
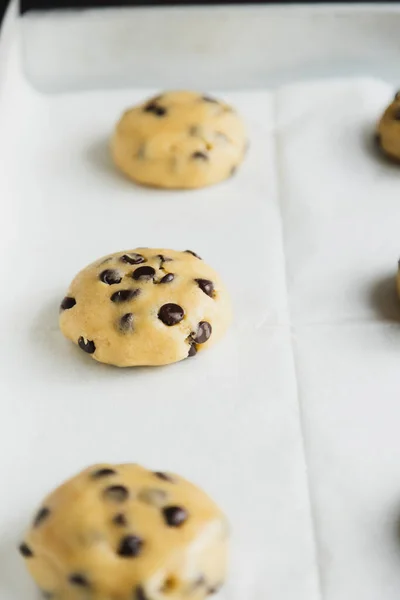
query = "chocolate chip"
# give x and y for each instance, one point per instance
(396, 114)
(25, 551)
(103, 473)
(206, 286)
(78, 579)
(126, 323)
(110, 277)
(156, 109)
(397, 96)
(193, 254)
(378, 139)
(153, 496)
(41, 516)
(209, 99)
(86, 345)
(233, 170)
(171, 314)
(124, 295)
(203, 333)
(175, 516)
(200, 156)
(132, 259)
(130, 546)
(140, 594)
(167, 278)
(192, 350)
(67, 303)
(120, 520)
(164, 258)
(143, 273)
(116, 493)
(164, 476)
(141, 152)
(214, 590)
(194, 130)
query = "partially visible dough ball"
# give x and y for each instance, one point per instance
(388, 134)
(147, 306)
(121, 532)
(179, 140)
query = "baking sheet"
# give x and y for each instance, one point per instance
(291, 421)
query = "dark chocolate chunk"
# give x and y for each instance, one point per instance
(209, 99)
(192, 350)
(103, 473)
(396, 114)
(193, 254)
(163, 476)
(130, 546)
(110, 277)
(124, 295)
(164, 258)
(203, 333)
(41, 516)
(143, 273)
(167, 278)
(156, 109)
(139, 594)
(116, 493)
(67, 303)
(175, 516)
(171, 314)
(25, 551)
(126, 323)
(200, 155)
(120, 520)
(206, 286)
(86, 345)
(78, 579)
(133, 259)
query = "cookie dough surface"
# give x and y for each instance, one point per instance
(148, 306)
(388, 134)
(179, 140)
(121, 532)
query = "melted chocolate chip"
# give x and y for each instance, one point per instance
(171, 314)
(110, 277)
(41, 516)
(86, 345)
(116, 493)
(156, 109)
(140, 594)
(192, 350)
(167, 278)
(164, 476)
(143, 273)
(126, 323)
(206, 286)
(67, 303)
(120, 520)
(174, 516)
(203, 333)
(200, 155)
(124, 295)
(132, 259)
(103, 473)
(130, 546)
(209, 99)
(25, 551)
(78, 579)
(193, 254)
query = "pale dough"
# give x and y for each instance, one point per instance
(179, 140)
(121, 532)
(148, 306)
(388, 135)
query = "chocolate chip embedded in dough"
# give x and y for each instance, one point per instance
(130, 546)
(106, 472)
(132, 259)
(79, 580)
(164, 258)
(214, 589)
(156, 109)
(167, 278)
(164, 476)
(192, 350)
(397, 96)
(233, 170)
(41, 516)
(140, 594)
(25, 551)
(175, 516)
(210, 99)
(67, 303)
(171, 314)
(143, 273)
(86, 345)
(396, 114)
(120, 520)
(193, 254)
(200, 156)
(116, 493)
(206, 286)
(124, 295)
(126, 323)
(203, 332)
(110, 277)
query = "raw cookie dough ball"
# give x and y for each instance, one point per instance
(147, 306)
(388, 134)
(121, 532)
(179, 140)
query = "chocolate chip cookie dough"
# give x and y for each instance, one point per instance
(388, 134)
(121, 532)
(147, 306)
(179, 140)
